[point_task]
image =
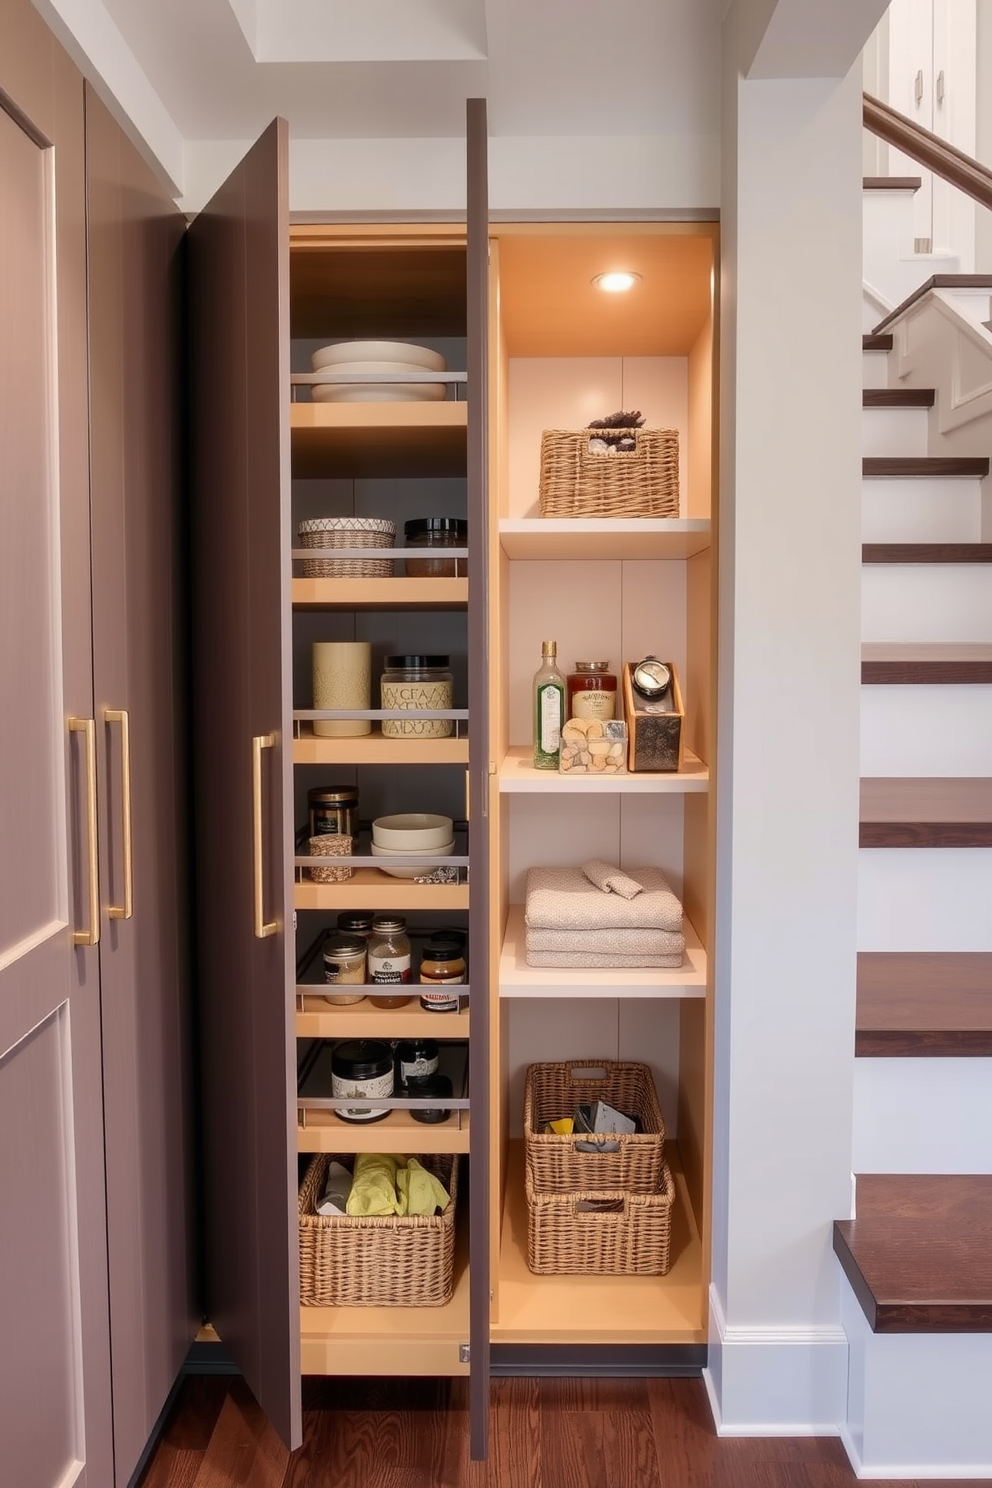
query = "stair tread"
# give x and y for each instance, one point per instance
(929, 552)
(924, 1004)
(928, 811)
(872, 342)
(891, 183)
(926, 662)
(918, 1254)
(908, 467)
(898, 397)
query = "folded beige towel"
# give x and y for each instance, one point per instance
(610, 879)
(632, 942)
(589, 961)
(564, 899)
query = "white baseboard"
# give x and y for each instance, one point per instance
(907, 1472)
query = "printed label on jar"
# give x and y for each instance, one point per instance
(342, 1089)
(550, 704)
(417, 1068)
(593, 704)
(389, 969)
(440, 1001)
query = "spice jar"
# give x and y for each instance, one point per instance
(442, 967)
(420, 683)
(592, 690)
(344, 965)
(389, 959)
(361, 1067)
(356, 923)
(416, 1058)
(436, 532)
(333, 809)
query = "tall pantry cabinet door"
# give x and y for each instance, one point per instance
(135, 239)
(55, 1421)
(239, 331)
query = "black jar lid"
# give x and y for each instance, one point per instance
(416, 1048)
(355, 922)
(416, 663)
(332, 794)
(436, 1087)
(362, 1059)
(421, 525)
(443, 948)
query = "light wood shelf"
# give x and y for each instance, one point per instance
(382, 594)
(598, 1309)
(351, 440)
(517, 774)
(326, 1132)
(591, 538)
(370, 888)
(320, 1019)
(517, 979)
(373, 749)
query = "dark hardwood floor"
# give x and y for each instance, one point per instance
(546, 1433)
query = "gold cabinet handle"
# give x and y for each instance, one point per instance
(126, 910)
(263, 928)
(87, 727)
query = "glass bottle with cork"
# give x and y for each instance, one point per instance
(549, 708)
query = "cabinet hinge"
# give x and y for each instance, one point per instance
(464, 1353)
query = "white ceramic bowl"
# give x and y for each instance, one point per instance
(378, 392)
(378, 351)
(360, 369)
(412, 831)
(443, 850)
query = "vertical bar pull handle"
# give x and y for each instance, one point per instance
(918, 87)
(263, 928)
(940, 86)
(126, 910)
(87, 727)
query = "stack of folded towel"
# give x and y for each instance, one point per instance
(601, 916)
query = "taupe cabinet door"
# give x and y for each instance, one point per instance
(239, 330)
(135, 241)
(54, 1361)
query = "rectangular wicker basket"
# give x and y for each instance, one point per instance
(376, 1260)
(576, 481)
(597, 1233)
(552, 1091)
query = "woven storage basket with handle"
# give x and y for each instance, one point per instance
(552, 1091)
(608, 1234)
(376, 1260)
(579, 482)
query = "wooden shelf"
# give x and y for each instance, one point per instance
(517, 774)
(351, 440)
(399, 593)
(598, 1309)
(373, 749)
(590, 538)
(370, 888)
(389, 1340)
(326, 1132)
(320, 1019)
(517, 979)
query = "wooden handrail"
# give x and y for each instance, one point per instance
(928, 150)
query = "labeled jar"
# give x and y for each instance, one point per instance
(419, 684)
(333, 809)
(436, 532)
(362, 1068)
(344, 966)
(389, 960)
(441, 969)
(416, 1058)
(592, 690)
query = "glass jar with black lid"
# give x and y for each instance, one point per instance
(436, 533)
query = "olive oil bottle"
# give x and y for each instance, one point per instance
(549, 708)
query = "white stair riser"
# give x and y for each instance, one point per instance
(930, 510)
(938, 730)
(925, 899)
(894, 431)
(874, 369)
(926, 602)
(922, 1116)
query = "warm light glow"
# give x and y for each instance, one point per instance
(617, 281)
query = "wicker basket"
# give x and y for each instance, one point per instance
(597, 1233)
(347, 532)
(554, 1166)
(375, 1260)
(578, 482)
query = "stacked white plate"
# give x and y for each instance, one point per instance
(413, 834)
(362, 357)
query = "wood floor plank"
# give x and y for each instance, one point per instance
(926, 663)
(243, 1448)
(926, 812)
(924, 1004)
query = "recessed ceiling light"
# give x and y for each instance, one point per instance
(616, 281)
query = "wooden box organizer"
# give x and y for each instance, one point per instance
(655, 740)
(597, 1233)
(576, 481)
(376, 1260)
(554, 1166)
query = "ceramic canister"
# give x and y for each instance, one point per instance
(342, 678)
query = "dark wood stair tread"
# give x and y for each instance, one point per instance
(924, 1004)
(898, 397)
(926, 812)
(925, 663)
(936, 281)
(942, 552)
(872, 342)
(918, 1255)
(891, 183)
(917, 467)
